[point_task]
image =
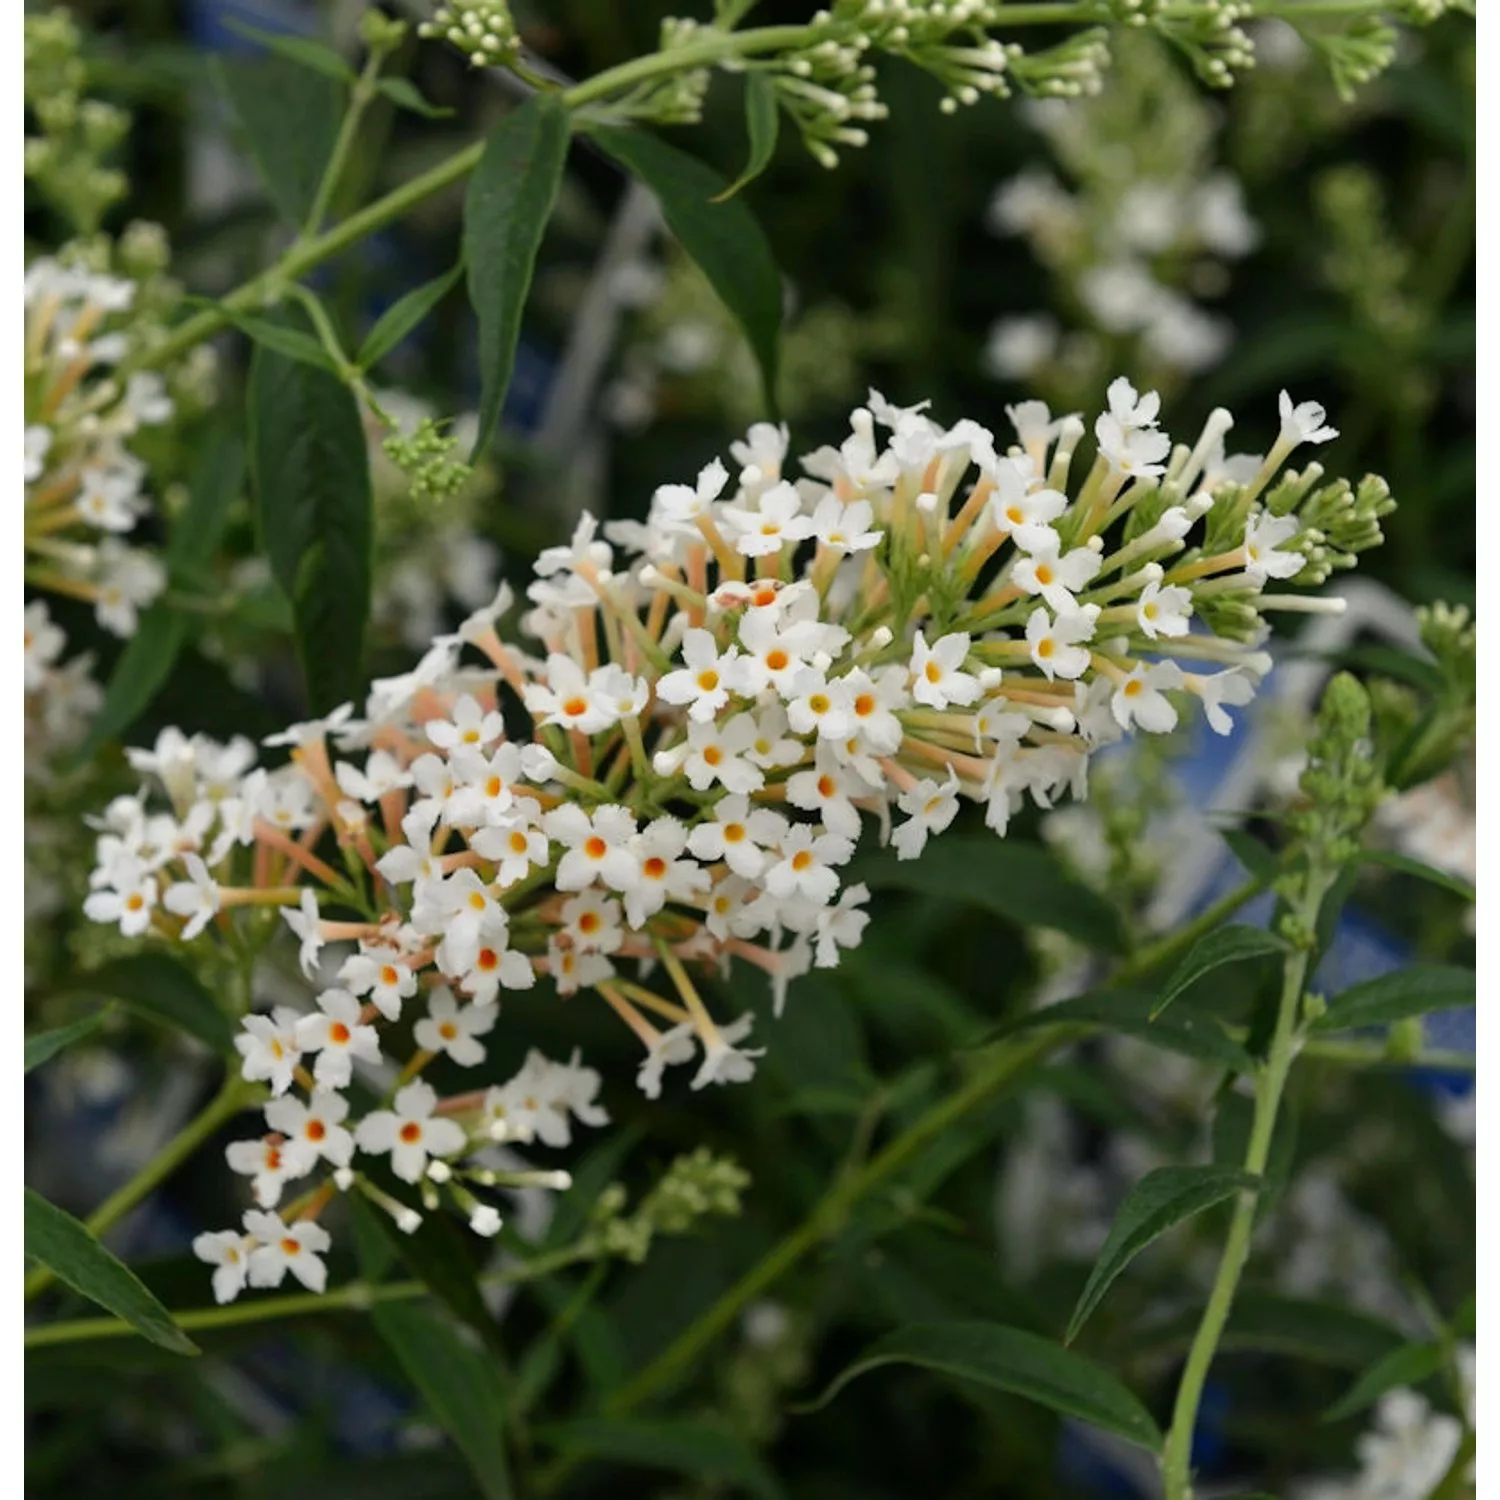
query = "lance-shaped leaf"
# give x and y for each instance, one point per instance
(45, 1044)
(1012, 1360)
(724, 240)
(159, 986)
(1231, 944)
(402, 316)
(1412, 991)
(459, 1384)
(1411, 1364)
(290, 117)
(404, 94)
(310, 467)
(762, 121)
(1160, 1200)
(58, 1241)
(1390, 860)
(509, 201)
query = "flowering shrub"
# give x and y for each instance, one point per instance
(639, 825)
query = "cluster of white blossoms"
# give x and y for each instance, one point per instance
(1409, 1450)
(728, 694)
(84, 487)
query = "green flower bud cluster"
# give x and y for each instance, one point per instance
(1341, 784)
(424, 458)
(66, 160)
(1358, 55)
(1339, 522)
(1211, 36)
(694, 1187)
(1448, 632)
(1073, 69)
(483, 29)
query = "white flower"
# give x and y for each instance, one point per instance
(109, 499)
(706, 681)
(723, 753)
(829, 790)
(931, 806)
(1020, 512)
(670, 1048)
(1263, 535)
(845, 528)
(128, 580)
(403, 863)
(38, 441)
(314, 1129)
(662, 874)
(228, 1251)
(410, 1132)
(676, 507)
(565, 699)
(841, 926)
(1054, 577)
(1164, 611)
(591, 921)
(128, 899)
(1234, 687)
(197, 898)
(44, 644)
(1303, 423)
(304, 923)
(335, 1032)
(738, 834)
(804, 868)
(287, 1247)
(1055, 644)
(814, 705)
(470, 725)
(937, 675)
(515, 847)
(270, 1049)
(723, 1062)
(776, 520)
(268, 1163)
(447, 1028)
(596, 847)
(1140, 699)
(383, 982)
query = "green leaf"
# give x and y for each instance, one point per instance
(1231, 1139)
(290, 118)
(1390, 860)
(762, 120)
(311, 476)
(459, 1384)
(1261, 862)
(150, 654)
(724, 240)
(1012, 1360)
(404, 94)
(686, 1447)
(509, 201)
(159, 986)
(1265, 1323)
(301, 50)
(1409, 1365)
(1412, 991)
(1160, 1200)
(45, 1044)
(1230, 944)
(1187, 1032)
(1463, 1319)
(1022, 882)
(438, 1254)
(58, 1241)
(292, 342)
(402, 316)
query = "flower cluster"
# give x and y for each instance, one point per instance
(726, 692)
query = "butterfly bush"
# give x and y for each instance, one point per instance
(722, 702)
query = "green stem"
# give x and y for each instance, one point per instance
(1004, 1063)
(1375, 1055)
(359, 101)
(1455, 1484)
(356, 1297)
(1160, 953)
(230, 1099)
(1270, 1083)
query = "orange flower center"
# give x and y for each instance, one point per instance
(411, 1132)
(575, 708)
(932, 672)
(802, 859)
(777, 659)
(596, 848)
(733, 832)
(338, 1033)
(708, 681)
(316, 1130)
(654, 868)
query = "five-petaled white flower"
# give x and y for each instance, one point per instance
(337, 1034)
(270, 1049)
(410, 1132)
(293, 1247)
(1304, 422)
(1141, 697)
(937, 675)
(448, 1028)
